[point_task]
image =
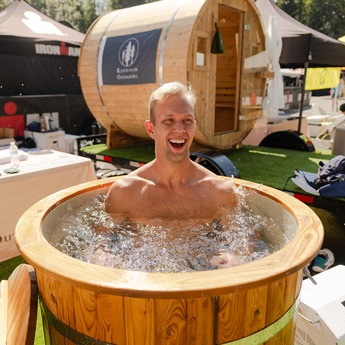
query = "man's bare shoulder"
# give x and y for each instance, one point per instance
(136, 177)
(209, 177)
(123, 193)
(221, 190)
(128, 184)
(127, 181)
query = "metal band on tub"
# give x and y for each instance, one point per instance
(67, 331)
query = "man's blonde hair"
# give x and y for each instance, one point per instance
(167, 90)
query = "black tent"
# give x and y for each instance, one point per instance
(38, 67)
(301, 44)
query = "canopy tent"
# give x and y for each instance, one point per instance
(302, 47)
(39, 57)
(302, 44)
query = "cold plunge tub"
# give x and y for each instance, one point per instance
(253, 303)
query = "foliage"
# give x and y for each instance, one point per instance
(117, 4)
(326, 16)
(295, 8)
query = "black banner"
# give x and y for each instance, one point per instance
(23, 46)
(130, 59)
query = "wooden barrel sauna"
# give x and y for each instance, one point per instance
(253, 303)
(128, 53)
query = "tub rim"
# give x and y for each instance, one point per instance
(32, 245)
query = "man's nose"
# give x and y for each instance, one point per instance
(179, 126)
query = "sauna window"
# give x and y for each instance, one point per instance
(201, 52)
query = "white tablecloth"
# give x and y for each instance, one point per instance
(39, 176)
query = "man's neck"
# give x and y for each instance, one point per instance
(173, 173)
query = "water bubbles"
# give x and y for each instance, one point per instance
(238, 236)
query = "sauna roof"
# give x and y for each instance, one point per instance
(301, 44)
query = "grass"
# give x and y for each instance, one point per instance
(272, 166)
(266, 165)
(142, 153)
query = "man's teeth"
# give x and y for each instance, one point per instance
(177, 141)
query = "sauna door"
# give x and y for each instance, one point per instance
(228, 70)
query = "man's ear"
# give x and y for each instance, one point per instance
(149, 128)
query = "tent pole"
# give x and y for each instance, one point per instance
(306, 64)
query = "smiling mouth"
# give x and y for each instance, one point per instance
(177, 143)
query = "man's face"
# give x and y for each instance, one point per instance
(174, 127)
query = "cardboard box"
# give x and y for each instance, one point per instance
(6, 136)
(48, 140)
(71, 144)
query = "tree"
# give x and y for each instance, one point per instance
(117, 4)
(326, 16)
(295, 8)
(84, 15)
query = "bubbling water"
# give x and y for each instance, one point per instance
(238, 236)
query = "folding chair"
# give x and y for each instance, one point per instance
(326, 136)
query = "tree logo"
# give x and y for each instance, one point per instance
(128, 52)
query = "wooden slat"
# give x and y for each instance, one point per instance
(3, 311)
(18, 307)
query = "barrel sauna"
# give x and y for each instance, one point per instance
(128, 53)
(253, 303)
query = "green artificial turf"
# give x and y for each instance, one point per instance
(266, 165)
(6, 267)
(273, 167)
(142, 153)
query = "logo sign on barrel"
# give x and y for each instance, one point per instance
(130, 59)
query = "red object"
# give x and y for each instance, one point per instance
(107, 159)
(63, 49)
(14, 121)
(10, 108)
(253, 98)
(304, 198)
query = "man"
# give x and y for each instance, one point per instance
(336, 93)
(172, 185)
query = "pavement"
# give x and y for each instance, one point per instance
(320, 105)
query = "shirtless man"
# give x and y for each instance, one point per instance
(172, 185)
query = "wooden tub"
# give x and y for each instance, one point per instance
(252, 303)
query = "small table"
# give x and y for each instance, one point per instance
(39, 176)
